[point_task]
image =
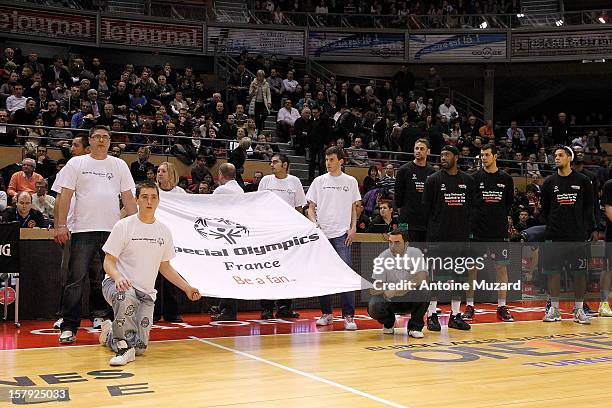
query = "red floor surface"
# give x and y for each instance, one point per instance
(39, 333)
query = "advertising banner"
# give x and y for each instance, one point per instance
(150, 34)
(234, 40)
(34, 23)
(356, 46)
(552, 45)
(464, 47)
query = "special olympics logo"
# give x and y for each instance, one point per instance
(220, 228)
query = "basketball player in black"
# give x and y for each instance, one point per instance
(492, 205)
(567, 207)
(447, 200)
(409, 185)
(578, 166)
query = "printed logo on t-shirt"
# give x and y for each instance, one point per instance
(93, 173)
(288, 191)
(220, 228)
(556, 189)
(337, 188)
(443, 187)
(157, 241)
(454, 199)
(576, 187)
(567, 198)
(492, 196)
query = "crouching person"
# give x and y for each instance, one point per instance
(138, 247)
(398, 274)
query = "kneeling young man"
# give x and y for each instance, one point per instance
(138, 247)
(387, 300)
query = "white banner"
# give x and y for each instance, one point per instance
(254, 246)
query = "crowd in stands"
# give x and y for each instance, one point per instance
(166, 110)
(400, 8)
(397, 13)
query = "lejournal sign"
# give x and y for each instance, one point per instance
(48, 24)
(571, 345)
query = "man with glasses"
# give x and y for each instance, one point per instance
(388, 181)
(97, 180)
(24, 180)
(289, 188)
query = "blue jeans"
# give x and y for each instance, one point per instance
(347, 299)
(83, 248)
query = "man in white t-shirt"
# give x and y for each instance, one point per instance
(227, 180)
(332, 200)
(97, 180)
(290, 189)
(79, 147)
(227, 308)
(137, 247)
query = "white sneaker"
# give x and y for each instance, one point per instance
(97, 323)
(416, 334)
(389, 330)
(349, 323)
(581, 317)
(67, 336)
(325, 320)
(124, 354)
(105, 330)
(58, 324)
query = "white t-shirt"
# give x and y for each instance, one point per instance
(139, 249)
(175, 190)
(57, 187)
(97, 185)
(334, 197)
(289, 189)
(231, 187)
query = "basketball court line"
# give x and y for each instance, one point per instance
(251, 335)
(303, 373)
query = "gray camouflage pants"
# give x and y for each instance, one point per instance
(133, 316)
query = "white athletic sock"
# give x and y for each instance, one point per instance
(501, 302)
(579, 305)
(456, 306)
(433, 305)
(469, 301)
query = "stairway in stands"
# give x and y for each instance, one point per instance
(126, 6)
(231, 11)
(541, 13)
(298, 166)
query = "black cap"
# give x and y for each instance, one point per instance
(451, 148)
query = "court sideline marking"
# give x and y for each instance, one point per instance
(302, 373)
(247, 335)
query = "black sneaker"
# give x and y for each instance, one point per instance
(433, 324)
(587, 310)
(469, 313)
(174, 319)
(456, 322)
(504, 315)
(267, 314)
(223, 316)
(286, 312)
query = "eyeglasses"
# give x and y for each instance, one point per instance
(100, 137)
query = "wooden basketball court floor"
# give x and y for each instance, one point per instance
(292, 363)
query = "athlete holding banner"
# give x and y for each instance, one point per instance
(137, 248)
